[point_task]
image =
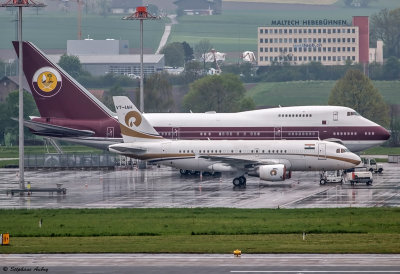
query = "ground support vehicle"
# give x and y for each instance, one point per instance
(372, 165)
(331, 176)
(359, 175)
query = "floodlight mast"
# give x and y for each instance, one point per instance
(21, 4)
(141, 14)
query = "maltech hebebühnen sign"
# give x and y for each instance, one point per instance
(47, 81)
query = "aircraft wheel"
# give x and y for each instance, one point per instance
(369, 183)
(242, 180)
(192, 172)
(236, 182)
(183, 172)
(322, 182)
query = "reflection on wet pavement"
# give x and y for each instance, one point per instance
(165, 187)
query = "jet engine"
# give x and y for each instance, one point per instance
(270, 172)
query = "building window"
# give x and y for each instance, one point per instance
(261, 59)
(261, 40)
(261, 49)
(261, 30)
(353, 31)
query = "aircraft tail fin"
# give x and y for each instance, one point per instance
(134, 126)
(55, 92)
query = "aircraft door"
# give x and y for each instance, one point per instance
(175, 133)
(335, 116)
(277, 133)
(321, 151)
(110, 132)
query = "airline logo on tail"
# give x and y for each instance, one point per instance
(47, 82)
(133, 118)
(134, 127)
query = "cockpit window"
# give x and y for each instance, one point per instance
(352, 113)
(341, 150)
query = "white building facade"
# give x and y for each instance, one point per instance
(303, 41)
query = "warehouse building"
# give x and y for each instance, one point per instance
(100, 57)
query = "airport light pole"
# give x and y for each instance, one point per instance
(141, 14)
(21, 4)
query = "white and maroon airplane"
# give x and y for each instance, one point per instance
(270, 160)
(69, 112)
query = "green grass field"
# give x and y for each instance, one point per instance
(52, 30)
(213, 230)
(235, 30)
(297, 93)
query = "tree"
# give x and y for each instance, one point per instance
(222, 93)
(201, 48)
(385, 26)
(188, 50)
(10, 109)
(391, 68)
(158, 93)
(174, 54)
(114, 91)
(356, 91)
(71, 65)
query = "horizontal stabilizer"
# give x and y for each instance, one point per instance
(49, 130)
(127, 150)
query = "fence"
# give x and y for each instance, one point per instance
(54, 160)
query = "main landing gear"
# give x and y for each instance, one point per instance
(239, 181)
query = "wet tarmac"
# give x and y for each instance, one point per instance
(200, 263)
(165, 187)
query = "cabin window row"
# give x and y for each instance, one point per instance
(295, 115)
(341, 150)
(232, 151)
(344, 133)
(301, 133)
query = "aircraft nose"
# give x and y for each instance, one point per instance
(357, 159)
(385, 133)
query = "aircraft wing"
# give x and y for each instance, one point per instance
(49, 130)
(244, 162)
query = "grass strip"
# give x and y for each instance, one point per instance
(270, 243)
(196, 221)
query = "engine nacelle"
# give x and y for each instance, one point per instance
(272, 172)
